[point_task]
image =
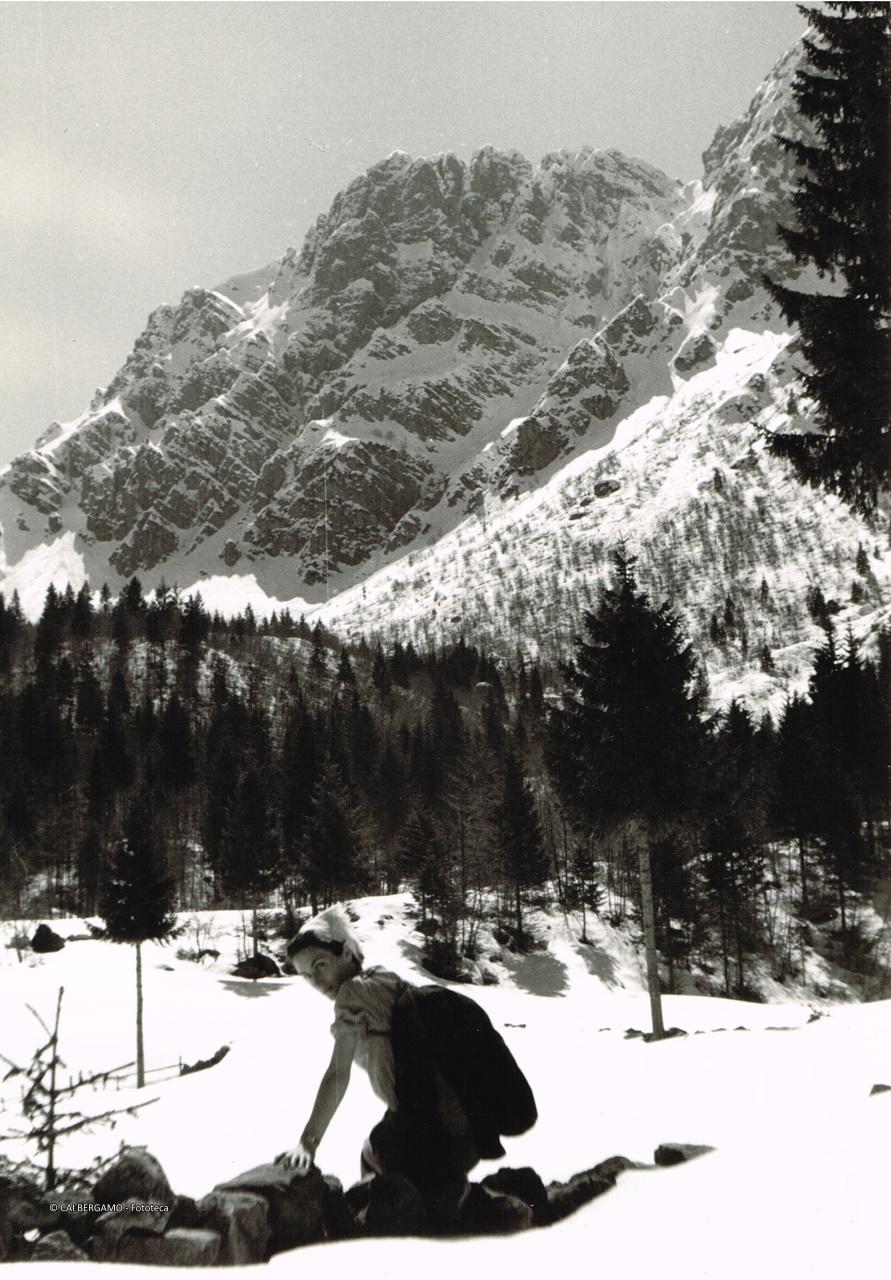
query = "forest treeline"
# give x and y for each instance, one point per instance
(262, 761)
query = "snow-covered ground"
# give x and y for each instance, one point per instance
(796, 1187)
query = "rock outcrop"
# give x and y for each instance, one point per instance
(270, 1209)
(46, 939)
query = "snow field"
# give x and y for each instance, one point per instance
(792, 1190)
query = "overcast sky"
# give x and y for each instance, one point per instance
(149, 147)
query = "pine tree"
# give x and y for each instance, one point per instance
(82, 617)
(50, 628)
(89, 708)
(345, 673)
(138, 899)
(331, 864)
(849, 761)
(177, 746)
(737, 833)
(11, 625)
(380, 676)
(446, 725)
(522, 853)
(625, 750)
(194, 624)
(248, 848)
(842, 208)
(298, 772)
(134, 602)
(536, 696)
(424, 861)
(388, 801)
(89, 869)
(318, 658)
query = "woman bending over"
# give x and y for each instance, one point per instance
(432, 1147)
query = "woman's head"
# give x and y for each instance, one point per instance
(326, 951)
(325, 965)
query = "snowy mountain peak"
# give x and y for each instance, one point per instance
(449, 336)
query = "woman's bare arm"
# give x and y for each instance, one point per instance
(330, 1094)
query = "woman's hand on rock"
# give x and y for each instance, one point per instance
(299, 1158)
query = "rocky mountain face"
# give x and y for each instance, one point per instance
(452, 336)
(432, 299)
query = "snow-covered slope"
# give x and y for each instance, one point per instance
(795, 1187)
(687, 482)
(443, 411)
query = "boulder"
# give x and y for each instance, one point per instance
(21, 1210)
(57, 1247)
(487, 1212)
(241, 1219)
(80, 1224)
(296, 1202)
(524, 1184)
(669, 1153)
(144, 1216)
(386, 1205)
(136, 1175)
(565, 1198)
(184, 1213)
(339, 1221)
(258, 966)
(45, 940)
(178, 1247)
(879, 1088)
(614, 1165)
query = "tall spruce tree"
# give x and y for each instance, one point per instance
(850, 763)
(331, 864)
(626, 748)
(737, 812)
(844, 220)
(138, 899)
(523, 857)
(248, 845)
(797, 798)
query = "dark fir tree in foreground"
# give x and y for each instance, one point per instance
(844, 223)
(626, 748)
(138, 900)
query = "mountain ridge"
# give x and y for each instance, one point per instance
(450, 336)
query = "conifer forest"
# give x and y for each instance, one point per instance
(245, 764)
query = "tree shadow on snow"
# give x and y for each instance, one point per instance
(541, 974)
(245, 987)
(600, 964)
(412, 952)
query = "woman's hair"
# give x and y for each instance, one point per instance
(332, 931)
(306, 938)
